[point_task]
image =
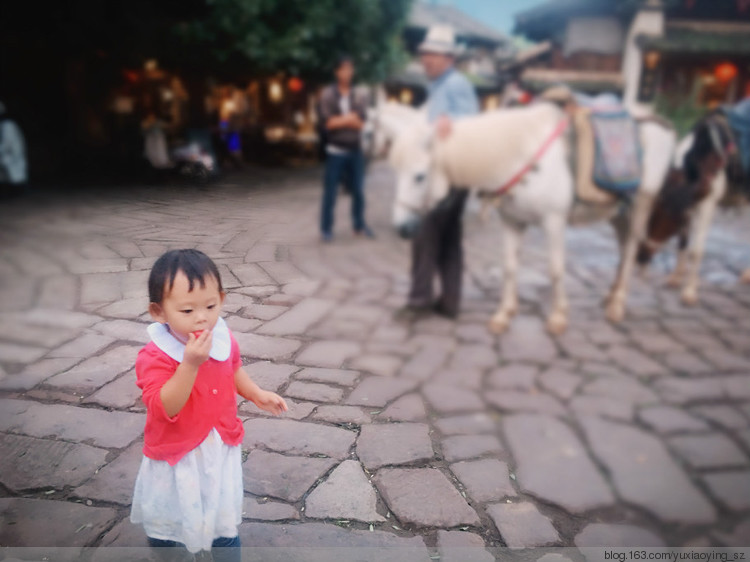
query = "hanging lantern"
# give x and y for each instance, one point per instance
(725, 72)
(295, 84)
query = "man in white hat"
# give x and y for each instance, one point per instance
(437, 244)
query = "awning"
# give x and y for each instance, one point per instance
(694, 41)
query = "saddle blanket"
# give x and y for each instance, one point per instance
(617, 161)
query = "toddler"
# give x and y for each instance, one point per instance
(189, 486)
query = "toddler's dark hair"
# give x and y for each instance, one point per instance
(194, 264)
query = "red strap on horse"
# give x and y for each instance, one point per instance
(559, 130)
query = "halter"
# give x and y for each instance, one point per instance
(518, 176)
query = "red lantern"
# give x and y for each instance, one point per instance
(295, 84)
(725, 72)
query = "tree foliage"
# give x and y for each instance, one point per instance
(300, 37)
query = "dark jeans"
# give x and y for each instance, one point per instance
(437, 246)
(223, 549)
(351, 166)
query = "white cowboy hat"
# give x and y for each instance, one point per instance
(440, 39)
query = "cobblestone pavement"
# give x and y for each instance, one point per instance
(429, 435)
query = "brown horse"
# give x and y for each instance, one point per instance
(708, 171)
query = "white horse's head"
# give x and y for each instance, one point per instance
(418, 185)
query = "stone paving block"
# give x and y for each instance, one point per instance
(467, 424)
(123, 535)
(516, 376)
(470, 378)
(603, 406)
(393, 443)
(645, 474)
(17, 353)
(522, 526)
(268, 510)
(512, 401)
(342, 414)
(459, 447)
(425, 363)
(250, 274)
(731, 488)
(674, 390)
(282, 272)
(122, 329)
(667, 419)
(737, 387)
(553, 465)
(726, 360)
(120, 394)
(341, 377)
(260, 292)
(298, 438)
(527, 340)
(378, 391)
(85, 345)
(298, 319)
(424, 497)
(621, 387)
(377, 364)
(270, 376)
(32, 522)
(266, 347)
(736, 537)
(280, 476)
(32, 335)
(104, 429)
(446, 399)
(561, 383)
(485, 480)
(686, 362)
(35, 373)
(461, 546)
(635, 362)
(474, 356)
(619, 535)
(708, 450)
(314, 392)
(114, 483)
(320, 542)
(345, 494)
(302, 288)
(240, 324)
(263, 311)
(474, 333)
(27, 463)
(97, 371)
(296, 410)
(725, 416)
(130, 308)
(408, 408)
(330, 354)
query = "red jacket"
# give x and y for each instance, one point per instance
(212, 403)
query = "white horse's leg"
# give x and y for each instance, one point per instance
(512, 234)
(701, 225)
(618, 295)
(745, 278)
(557, 320)
(677, 276)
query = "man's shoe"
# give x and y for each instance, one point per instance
(326, 237)
(442, 311)
(412, 313)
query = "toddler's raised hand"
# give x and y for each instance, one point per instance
(197, 348)
(271, 402)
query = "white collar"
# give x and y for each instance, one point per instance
(221, 346)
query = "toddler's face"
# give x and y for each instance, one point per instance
(187, 311)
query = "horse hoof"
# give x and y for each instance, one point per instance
(498, 325)
(615, 312)
(557, 324)
(745, 277)
(689, 297)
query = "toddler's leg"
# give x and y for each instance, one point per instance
(225, 549)
(170, 551)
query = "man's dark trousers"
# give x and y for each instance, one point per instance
(437, 246)
(352, 166)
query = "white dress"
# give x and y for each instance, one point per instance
(199, 499)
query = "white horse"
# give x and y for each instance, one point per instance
(490, 150)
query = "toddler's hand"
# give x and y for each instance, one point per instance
(271, 402)
(197, 348)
